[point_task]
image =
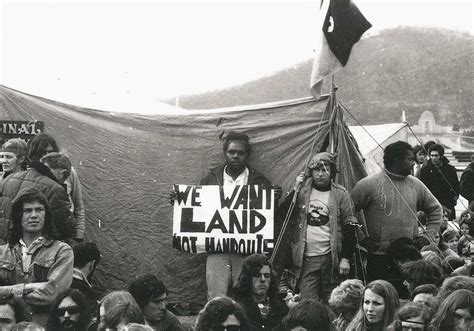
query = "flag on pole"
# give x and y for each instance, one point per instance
(342, 26)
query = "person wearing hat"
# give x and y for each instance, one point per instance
(390, 200)
(323, 238)
(12, 157)
(449, 242)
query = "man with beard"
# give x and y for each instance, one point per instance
(323, 237)
(441, 179)
(69, 313)
(390, 200)
(257, 293)
(150, 293)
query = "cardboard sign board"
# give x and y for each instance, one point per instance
(223, 219)
(20, 129)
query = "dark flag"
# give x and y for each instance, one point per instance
(342, 27)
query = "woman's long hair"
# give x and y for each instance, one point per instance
(392, 302)
(115, 299)
(459, 299)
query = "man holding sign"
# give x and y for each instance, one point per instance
(224, 266)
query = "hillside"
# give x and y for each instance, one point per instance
(411, 69)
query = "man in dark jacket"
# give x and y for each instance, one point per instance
(222, 269)
(467, 181)
(40, 177)
(257, 293)
(151, 295)
(441, 179)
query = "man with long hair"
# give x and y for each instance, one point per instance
(40, 177)
(456, 312)
(256, 291)
(70, 312)
(34, 265)
(41, 146)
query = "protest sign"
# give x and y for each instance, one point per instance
(223, 219)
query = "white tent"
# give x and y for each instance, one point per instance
(373, 138)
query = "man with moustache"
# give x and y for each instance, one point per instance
(257, 293)
(70, 312)
(390, 200)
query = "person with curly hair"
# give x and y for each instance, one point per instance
(390, 200)
(257, 292)
(345, 300)
(377, 308)
(456, 312)
(412, 316)
(421, 272)
(222, 312)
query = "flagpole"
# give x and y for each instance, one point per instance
(332, 101)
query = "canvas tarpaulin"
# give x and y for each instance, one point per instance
(127, 164)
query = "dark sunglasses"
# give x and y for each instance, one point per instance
(71, 310)
(226, 328)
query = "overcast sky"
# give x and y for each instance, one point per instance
(113, 53)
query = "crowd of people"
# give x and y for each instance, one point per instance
(388, 255)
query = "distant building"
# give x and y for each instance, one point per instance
(427, 125)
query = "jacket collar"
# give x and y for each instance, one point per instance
(219, 173)
(45, 171)
(40, 242)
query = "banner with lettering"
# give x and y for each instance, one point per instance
(223, 219)
(25, 130)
